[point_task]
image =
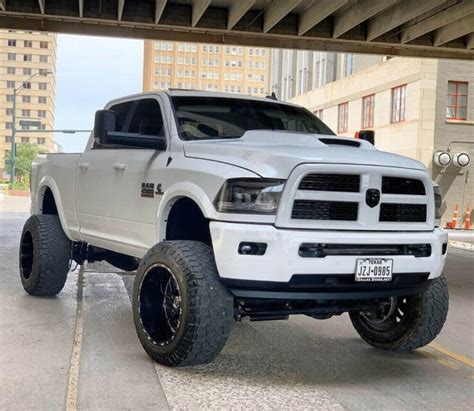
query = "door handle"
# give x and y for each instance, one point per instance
(83, 166)
(119, 167)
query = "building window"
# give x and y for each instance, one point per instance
(27, 85)
(8, 140)
(11, 43)
(43, 44)
(26, 71)
(368, 104)
(41, 140)
(319, 114)
(26, 99)
(43, 86)
(11, 70)
(43, 72)
(25, 113)
(27, 57)
(41, 100)
(11, 56)
(456, 109)
(10, 97)
(9, 112)
(342, 117)
(399, 95)
(41, 113)
(27, 43)
(10, 84)
(25, 140)
(348, 64)
(8, 125)
(43, 58)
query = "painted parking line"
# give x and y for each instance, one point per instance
(73, 380)
(458, 357)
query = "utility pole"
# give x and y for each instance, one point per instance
(17, 91)
(13, 150)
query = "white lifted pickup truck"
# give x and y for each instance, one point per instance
(233, 206)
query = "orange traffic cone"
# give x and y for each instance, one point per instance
(455, 216)
(467, 222)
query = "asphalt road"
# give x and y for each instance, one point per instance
(79, 351)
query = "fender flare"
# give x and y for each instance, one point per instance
(48, 183)
(176, 192)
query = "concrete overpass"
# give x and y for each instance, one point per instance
(422, 28)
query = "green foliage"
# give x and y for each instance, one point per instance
(25, 154)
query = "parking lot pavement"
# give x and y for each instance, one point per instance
(79, 351)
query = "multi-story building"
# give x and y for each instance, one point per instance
(28, 64)
(295, 72)
(415, 106)
(231, 69)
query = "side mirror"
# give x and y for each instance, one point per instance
(105, 122)
(367, 135)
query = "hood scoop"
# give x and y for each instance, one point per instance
(339, 142)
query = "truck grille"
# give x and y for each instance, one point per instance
(325, 210)
(406, 186)
(356, 197)
(348, 183)
(403, 213)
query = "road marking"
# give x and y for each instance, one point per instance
(458, 357)
(71, 398)
(441, 359)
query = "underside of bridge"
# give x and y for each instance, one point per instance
(422, 28)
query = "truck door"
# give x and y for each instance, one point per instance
(94, 185)
(136, 178)
(116, 204)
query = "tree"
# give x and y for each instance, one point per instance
(25, 154)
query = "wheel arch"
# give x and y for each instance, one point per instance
(175, 196)
(47, 188)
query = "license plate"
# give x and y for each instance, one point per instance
(374, 269)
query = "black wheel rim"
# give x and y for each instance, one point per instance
(26, 255)
(392, 316)
(159, 302)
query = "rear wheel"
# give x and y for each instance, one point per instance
(44, 255)
(405, 323)
(182, 313)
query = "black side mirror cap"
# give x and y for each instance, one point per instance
(105, 122)
(367, 135)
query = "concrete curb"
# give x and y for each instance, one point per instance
(461, 244)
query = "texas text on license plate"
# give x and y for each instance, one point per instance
(374, 269)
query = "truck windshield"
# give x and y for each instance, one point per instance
(219, 117)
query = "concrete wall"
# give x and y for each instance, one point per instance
(456, 184)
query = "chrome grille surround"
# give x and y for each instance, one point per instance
(367, 218)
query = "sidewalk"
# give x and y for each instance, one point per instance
(13, 204)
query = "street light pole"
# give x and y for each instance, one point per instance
(12, 151)
(17, 91)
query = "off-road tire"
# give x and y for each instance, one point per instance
(423, 320)
(207, 306)
(44, 255)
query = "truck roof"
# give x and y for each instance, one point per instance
(197, 93)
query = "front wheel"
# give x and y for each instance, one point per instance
(405, 323)
(182, 313)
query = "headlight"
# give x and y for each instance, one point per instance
(438, 200)
(249, 196)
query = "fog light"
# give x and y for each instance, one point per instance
(248, 248)
(461, 160)
(442, 158)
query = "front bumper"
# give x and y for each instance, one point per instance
(281, 263)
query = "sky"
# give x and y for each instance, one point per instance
(91, 71)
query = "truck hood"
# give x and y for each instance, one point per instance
(274, 154)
